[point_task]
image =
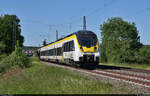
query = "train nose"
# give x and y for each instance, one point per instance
(90, 49)
(87, 58)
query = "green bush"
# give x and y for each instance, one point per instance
(3, 56)
(19, 58)
(16, 60)
(143, 56)
(5, 65)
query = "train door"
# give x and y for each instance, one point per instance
(46, 55)
(62, 53)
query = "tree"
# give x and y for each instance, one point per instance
(120, 41)
(143, 56)
(44, 43)
(8, 25)
(2, 47)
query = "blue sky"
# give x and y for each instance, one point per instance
(41, 18)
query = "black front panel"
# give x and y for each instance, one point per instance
(97, 59)
(87, 58)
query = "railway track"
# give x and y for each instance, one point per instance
(111, 73)
(123, 68)
(130, 78)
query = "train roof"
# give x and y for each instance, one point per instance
(78, 33)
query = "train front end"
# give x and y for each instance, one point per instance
(88, 48)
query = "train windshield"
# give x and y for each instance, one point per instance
(88, 41)
(86, 38)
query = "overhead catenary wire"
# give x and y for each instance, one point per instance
(74, 20)
(101, 8)
(139, 12)
(70, 23)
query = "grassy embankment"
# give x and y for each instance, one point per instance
(41, 79)
(138, 66)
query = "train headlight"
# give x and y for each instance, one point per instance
(81, 48)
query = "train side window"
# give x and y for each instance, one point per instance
(59, 51)
(56, 51)
(72, 45)
(69, 46)
(53, 52)
(42, 53)
(49, 52)
(45, 53)
(66, 47)
(62, 49)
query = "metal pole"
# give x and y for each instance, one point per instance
(56, 35)
(84, 23)
(14, 35)
(70, 26)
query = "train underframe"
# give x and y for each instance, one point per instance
(86, 61)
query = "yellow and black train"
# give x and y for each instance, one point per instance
(78, 49)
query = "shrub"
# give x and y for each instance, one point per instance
(3, 56)
(5, 64)
(143, 56)
(16, 60)
(19, 58)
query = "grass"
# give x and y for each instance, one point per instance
(138, 66)
(43, 79)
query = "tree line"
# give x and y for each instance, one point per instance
(121, 43)
(8, 25)
(12, 56)
(120, 40)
